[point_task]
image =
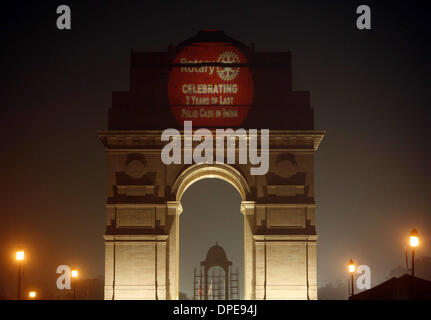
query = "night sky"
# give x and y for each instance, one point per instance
(370, 91)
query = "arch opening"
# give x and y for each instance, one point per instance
(211, 215)
(198, 172)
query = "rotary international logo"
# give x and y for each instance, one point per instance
(228, 73)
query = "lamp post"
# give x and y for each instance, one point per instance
(414, 242)
(19, 258)
(352, 268)
(74, 274)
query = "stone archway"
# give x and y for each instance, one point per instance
(143, 194)
(231, 175)
(144, 204)
(197, 172)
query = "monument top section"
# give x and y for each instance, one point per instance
(212, 35)
(215, 81)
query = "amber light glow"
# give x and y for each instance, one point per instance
(352, 266)
(20, 255)
(414, 239)
(32, 294)
(74, 273)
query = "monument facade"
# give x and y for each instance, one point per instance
(215, 82)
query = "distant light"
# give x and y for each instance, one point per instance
(352, 266)
(20, 255)
(32, 294)
(74, 273)
(414, 239)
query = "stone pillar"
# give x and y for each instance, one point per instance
(260, 270)
(133, 265)
(247, 209)
(173, 217)
(161, 270)
(281, 260)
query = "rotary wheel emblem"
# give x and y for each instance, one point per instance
(228, 73)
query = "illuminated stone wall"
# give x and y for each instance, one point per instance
(144, 206)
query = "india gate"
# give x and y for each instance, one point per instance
(212, 81)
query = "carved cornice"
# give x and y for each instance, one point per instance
(135, 140)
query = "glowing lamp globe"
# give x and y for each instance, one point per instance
(352, 266)
(414, 239)
(20, 255)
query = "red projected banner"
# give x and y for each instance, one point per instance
(211, 85)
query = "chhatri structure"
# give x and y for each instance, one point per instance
(215, 82)
(215, 278)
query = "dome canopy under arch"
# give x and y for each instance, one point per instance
(216, 256)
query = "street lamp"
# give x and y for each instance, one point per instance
(32, 294)
(414, 242)
(74, 274)
(352, 268)
(19, 256)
